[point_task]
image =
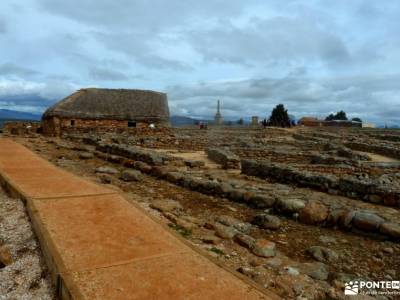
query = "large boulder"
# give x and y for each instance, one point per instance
(367, 221)
(225, 232)
(159, 172)
(262, 201)
(267, 221)
(174, 177)
(264, 248)
(131, 175)
(391, 229)
(245, 240)
(259, 247)
(290, 205)
(313, 213)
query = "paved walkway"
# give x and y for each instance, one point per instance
(99, 246)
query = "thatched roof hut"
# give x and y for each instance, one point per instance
(112, 104)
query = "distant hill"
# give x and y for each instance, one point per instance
(18, 115)
(181, 121)
(13, 115)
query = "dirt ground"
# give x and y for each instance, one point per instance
(26, 276)
(356, 255)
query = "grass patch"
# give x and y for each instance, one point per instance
(217, 251)
(186, 233)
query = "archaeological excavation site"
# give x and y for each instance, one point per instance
(105, 199)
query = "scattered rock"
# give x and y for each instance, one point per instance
(158, 172)
(346, 217)
(193, 220)
(256, 262)
(264, 248)
(115, 159)
(86, 155)
(267, 221)
(166, 205)
(391, 229)
(224, 188)
(247, 271)
(107, 170)
(225, 232)
(388, 250)
(391, 273)
(292, 271)
(142, 167)
(237, 224)
(274, 262)
(5, 256)
(367, 221)
(174, 177)
(323, 254)
(315, 270)
(131, 175)
(194, 163)
(259, 247)
(245, 240)
(105, 179)
(262, 201)
(185, 224)
(313, 213)
(211, 239)
(237, 195)
(327, 239)
(290, 205)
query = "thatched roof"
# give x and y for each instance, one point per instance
(112, 104)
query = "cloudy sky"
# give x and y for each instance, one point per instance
(314, 56)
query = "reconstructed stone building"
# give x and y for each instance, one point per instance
(106, 108)
(314, 122)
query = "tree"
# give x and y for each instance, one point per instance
(340, 115)
(357, 120)
(240, 121)
(279, 117)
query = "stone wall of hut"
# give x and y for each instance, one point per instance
(56, 126)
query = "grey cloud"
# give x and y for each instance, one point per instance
(35, 102)
(15, 70)
(274, 39)
(107, 74)
(141, 48)
(3, 26)
(154, 15)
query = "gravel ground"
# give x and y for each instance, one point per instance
(26, 277)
